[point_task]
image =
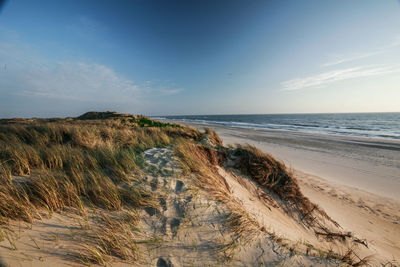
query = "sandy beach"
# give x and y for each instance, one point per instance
(356, 180)
(188, 199)
(369, 164)
(199, 133)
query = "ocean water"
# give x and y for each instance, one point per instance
(376, 125)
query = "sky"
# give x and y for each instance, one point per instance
(63, 58)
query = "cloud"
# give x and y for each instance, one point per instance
(163, 88)
(70, 80)
(78, 81)
(350, 58)
(358, 56)
(24, 72)
(170, 91)
(335, 76)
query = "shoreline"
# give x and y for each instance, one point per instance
(372, 165)
(341, 177)
(166, 191)
(290, 122)
(390, 143)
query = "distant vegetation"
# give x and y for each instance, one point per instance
(139, 120)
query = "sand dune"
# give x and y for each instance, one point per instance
(364, 163)
(197, 202)
(374, 165)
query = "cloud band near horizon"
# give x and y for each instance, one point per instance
(333, 76)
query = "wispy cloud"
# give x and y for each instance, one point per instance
(357, 56)
(335, 76)
(170, 91)
(24, 72)
(164, 88)
(350, 58)
(77, 81)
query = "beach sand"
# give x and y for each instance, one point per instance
(187, 229)
(369, 164)
(356, 180)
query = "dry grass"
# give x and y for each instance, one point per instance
(269, 173)
(350, 256)
(65, 163)
(202, 160)
(53, 165)
(114, 235)
(274, 176)
(14, 201)
(214, 138)
(59, 164)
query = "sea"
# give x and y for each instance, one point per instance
(372, 125)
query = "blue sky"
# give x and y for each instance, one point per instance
(62, 58)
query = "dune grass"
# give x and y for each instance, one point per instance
(269, 173)
(74, 164)
(202, 161)
(61, 163)
(93, 162)
(14, 200)
(213, 137)
(113, 235)
(263, 168)
(274, 176)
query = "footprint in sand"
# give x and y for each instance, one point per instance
(163, 203)
(174, 225)
(179, 208)
(179, 186)
(172, 206)
(163, 263)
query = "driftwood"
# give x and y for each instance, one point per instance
(332, 235)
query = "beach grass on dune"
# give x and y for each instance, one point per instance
(273, 175)
(269, 173)
(75, 164)
(59, 163)
(202, 161)
(95, 162)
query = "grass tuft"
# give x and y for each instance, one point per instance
(202, 160)
(274, 176)
(91, 161)
(64, 163)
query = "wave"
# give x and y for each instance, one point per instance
(369, 130)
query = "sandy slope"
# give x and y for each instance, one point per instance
(45, 243)
(190, 229)
(375, 167)
(193, 227)
(372, 217)
(187, 229)
(365, 163)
